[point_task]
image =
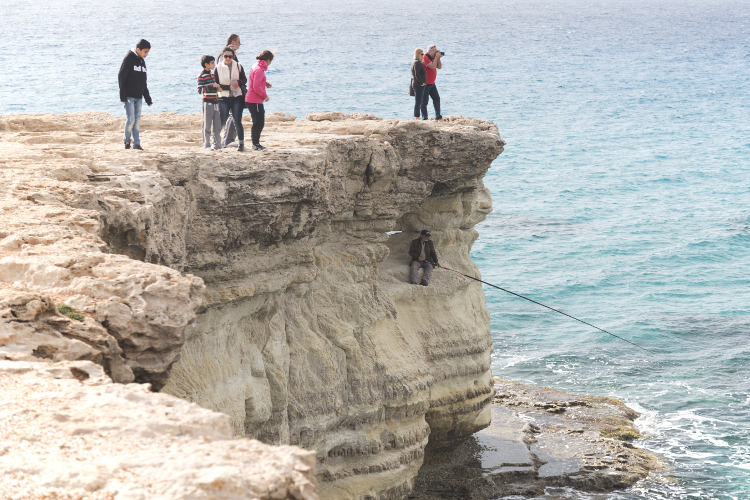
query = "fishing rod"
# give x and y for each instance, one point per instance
(548, 307)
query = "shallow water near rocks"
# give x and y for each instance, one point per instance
(622, 197)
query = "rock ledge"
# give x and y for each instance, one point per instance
(540, 438)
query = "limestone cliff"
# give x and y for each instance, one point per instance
(268, 277)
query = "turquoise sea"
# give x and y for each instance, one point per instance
(622, 197)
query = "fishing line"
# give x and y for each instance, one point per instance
(548, 307)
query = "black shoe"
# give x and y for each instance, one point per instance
(138, 147)
(241, 148)
(424, 283)
(127, 145)
(439, 117)
(258, 147)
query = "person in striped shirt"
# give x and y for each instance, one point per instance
(208, 87)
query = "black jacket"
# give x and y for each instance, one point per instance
(418, 76)
(429, 251)
(132, 78)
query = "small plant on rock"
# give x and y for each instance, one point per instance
(70, 312)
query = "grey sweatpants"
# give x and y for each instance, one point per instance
(414, 268)
(211, 124)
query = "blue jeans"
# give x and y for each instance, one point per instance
(235, 105)
(430, 90)
(418, 97)
(133, 107)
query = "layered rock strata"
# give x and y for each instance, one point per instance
(308, 332)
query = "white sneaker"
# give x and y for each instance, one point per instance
(207, 148)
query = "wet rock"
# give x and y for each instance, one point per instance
(529, 448)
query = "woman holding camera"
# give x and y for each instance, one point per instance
(418, 82)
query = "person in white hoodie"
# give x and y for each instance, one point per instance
(231, 100)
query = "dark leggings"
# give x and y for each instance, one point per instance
(258, 114)
(418, 97)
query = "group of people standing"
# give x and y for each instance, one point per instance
(423, 74)
(227, 90)
(224, 86)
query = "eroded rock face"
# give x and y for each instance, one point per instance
(69, 432)
(308, 332)
(311, 334)
(133, 313)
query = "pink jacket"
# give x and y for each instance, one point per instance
(256, 83)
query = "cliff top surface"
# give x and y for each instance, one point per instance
(175, 133)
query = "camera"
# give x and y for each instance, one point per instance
(441, 52)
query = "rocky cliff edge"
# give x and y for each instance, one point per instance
(262, 285)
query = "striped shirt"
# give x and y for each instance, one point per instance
(206, 87)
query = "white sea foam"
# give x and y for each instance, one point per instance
(507, 362)
(678, 435)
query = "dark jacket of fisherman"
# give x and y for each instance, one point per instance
(429, 251)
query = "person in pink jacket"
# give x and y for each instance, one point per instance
(256, 96)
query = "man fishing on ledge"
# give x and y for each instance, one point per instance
(423, 255)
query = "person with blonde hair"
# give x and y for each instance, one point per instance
(418, 82)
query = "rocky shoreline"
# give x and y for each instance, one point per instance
(539, 438)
